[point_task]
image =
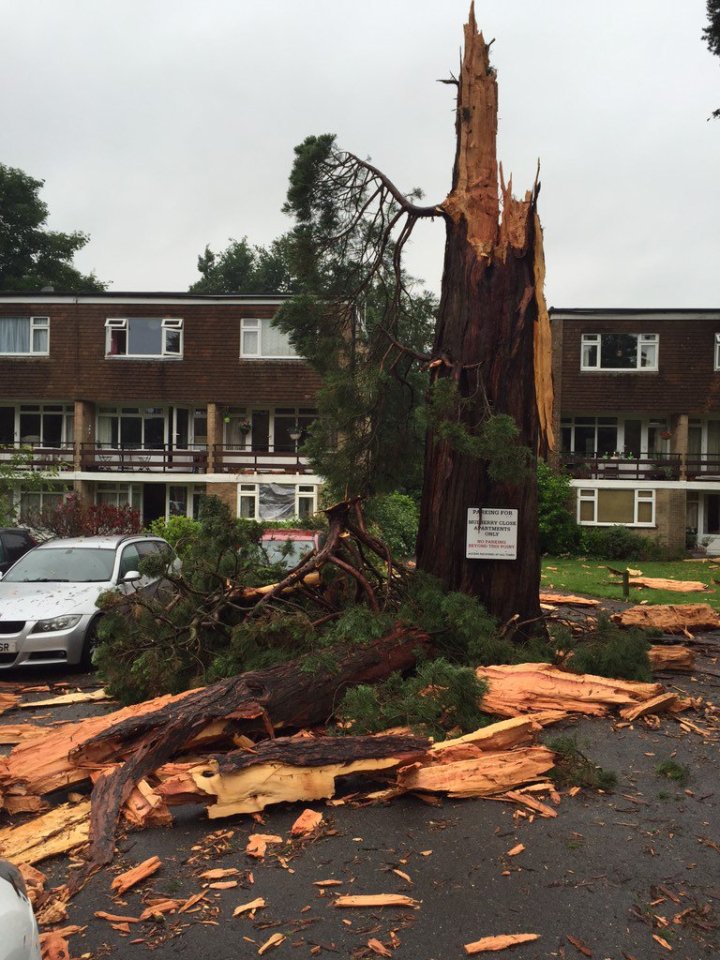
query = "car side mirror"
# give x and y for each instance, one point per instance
(131, 575)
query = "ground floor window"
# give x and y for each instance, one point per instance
(276, 501)
(120, 495)
(30, 503)
(634, 508)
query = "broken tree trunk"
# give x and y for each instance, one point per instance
(493, 331)
(670, 617)
(280, 696)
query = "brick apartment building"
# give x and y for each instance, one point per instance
(156, 400)
(638, 411)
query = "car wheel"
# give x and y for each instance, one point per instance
(89, 644)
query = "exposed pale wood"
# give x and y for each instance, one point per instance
(145, 807)
(518, 796)
(671, 657)
(308, 822)
(67, 699)
(372, 900)
(502, 942)
(290, 770)
(125, 881)
(64, 828)
(503, 735)
(12, 733)
(665, 701)
(257, 904)
(490, 773)
(8, 701)
(676, 586)
(522, 688)
(257, 844)
(670, 618)
(567, 600)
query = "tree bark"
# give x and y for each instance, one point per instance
(285, 695)
(493, 331)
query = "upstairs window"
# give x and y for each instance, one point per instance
(24, 336)
(619, 351)
(259, 339)
(144, 337)
(717, 351)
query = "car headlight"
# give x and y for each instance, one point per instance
(57, 623)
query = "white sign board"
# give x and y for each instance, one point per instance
(491, 534)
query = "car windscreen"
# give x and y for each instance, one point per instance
(63, 565)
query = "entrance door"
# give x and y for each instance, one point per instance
(711, 523)
(153, 501)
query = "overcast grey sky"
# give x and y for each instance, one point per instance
(163, 125)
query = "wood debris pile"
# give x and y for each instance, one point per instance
(687, 618)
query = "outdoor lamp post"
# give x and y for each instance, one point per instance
(295, 435)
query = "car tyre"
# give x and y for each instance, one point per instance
(89, 644)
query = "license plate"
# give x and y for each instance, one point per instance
(8, 646)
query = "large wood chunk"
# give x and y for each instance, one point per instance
(670, 617)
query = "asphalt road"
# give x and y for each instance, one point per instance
(610, 871)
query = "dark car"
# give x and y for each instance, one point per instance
(14, 542)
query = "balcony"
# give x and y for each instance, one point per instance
(666, 466)
(233, 458)
(33, 455)
(702, 467)
(133, 459)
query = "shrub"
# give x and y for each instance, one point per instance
(619, 543)
(559, 531)
(75, 517)
(178, 531)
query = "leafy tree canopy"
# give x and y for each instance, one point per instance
(711, 34)
(362, 322)
(245, 268)
(31, 256)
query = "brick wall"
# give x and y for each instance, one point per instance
(211, 368)
(685, 382)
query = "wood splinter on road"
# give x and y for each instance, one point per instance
(490, 944)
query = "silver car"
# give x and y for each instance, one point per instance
(47, 599)
(20, 939)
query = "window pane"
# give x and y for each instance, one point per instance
(247, 507)
(648, 355)
(589, 358)
(14, 335)
(145, 336)
(275, 343)
(7, 424)
(616, 506)
(118, 343)
(607, 440)
(154, 433)
(587, 511)
(619, 351)
(250, 343)
(645, 512)
(131, 435)
(178, 501)
(40, 341)
(585, 440)
(172, 341)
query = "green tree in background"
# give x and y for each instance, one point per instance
(711, 34)
(245, 268)
(31, 256)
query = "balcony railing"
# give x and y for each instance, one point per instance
(664, 466)
(34, 455)
(233, 458)
(702, 467)
(134, 459)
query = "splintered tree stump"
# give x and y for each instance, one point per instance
(283, 696)
(493, 331)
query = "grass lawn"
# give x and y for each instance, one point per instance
(591, 577)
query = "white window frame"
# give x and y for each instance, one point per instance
(589, 340)
(122, 323)
(248, 491)
(717, 352)
(35, 323)
(590, 495)
(255, 325)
